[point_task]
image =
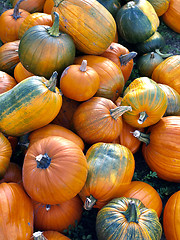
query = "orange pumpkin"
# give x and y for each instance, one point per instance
(20, 73)
(79, 82)
(6, 82)
(49, 235)
(30, 6)
(48, 5)
(12, 174)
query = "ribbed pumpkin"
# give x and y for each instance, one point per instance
(54, 170)
(5, 154)
(111, 77)
(12, 174)
(161, 148)
(172, 16)
(16, 212)
(31, 104)
(171, 215)
(20, 73)
(160, 6)
(34, 19)
(148, 102)
(110, 171)
(98, 120)
(48, 5)
(88, 22)
(49, 235)
(6, 82)
(43, 49)
(30, 6)
(137, 21)
(57, 217)
(120, 55)
(127, 218)
(173, 97)
(168, 72)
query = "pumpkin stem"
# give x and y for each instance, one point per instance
(124, 59)
(54, 30)
(152, 55)
(43, 161)
(51, 84)
(142, 117)
(57, 2)
(132, 213)
(83, 66)
(143, 137)
(39, 236)
(89, 202)
(163, 55)
(118, 111)
(16, 14)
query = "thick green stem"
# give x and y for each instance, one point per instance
(132, 213)
(16, 13)
(43, 161)
(89, 202)
(118, 111)
(143, 137)
(39, 236)
(124, 59)
(54, 30)
(142, 117)
(83, 66)
(51, 84)
(163, 55)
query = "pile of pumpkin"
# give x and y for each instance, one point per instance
(64, 91)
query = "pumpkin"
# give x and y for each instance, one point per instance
(10, 21)
(112, 6)
(30, 6)
(160, 6)
(48, 5)
(31, 104)
(49, 235)
(55, 130)
(5, 154)
(171, 224)
(147, 63)
(79, 82)
(57, 217)
(172, 16)
(34, 19)
(168, 72)
(110, 170)
(88, 22)
(162, 142)
(148, 102)
(9, 57)
(98, 120)
(54, 170)
(127, 218)
(173, 97)
(20, 73)
(43, 49)
(6, 82)
(12, 174)
(111, 77)
(16, 212)
(120, 55)
(13, 141)
(137, 21)
(145, 193)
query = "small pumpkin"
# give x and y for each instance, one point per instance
(49, 235)
(20, 73)
(12, 174)
(127, 218)
(6, 82)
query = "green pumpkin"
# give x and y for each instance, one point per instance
(127, 219)
(111, 5)
(43, 49)
(137, 21)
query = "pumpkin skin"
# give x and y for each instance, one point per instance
(5, 154)
(10, 21)
(67, 164)
(9, 57)
(43, 49)
(171, 212)
(20, 73)
(145, 193)
(48, 5)
(50, 235)
(55, 130)
(118, 54)
(168, 72)
(16, 212)
(147, 100)
(112, 6)
(91, 35)
(172, 16)
(79, 82)
(31, 104)
(34, 19)
(173, 97)
(111, 77)
(12, 174)
(137, 21)
(57, 217)
(110, 170)
(30, 6)
(6, 82)
(160, 6)
(98, 120)
(127, 218)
